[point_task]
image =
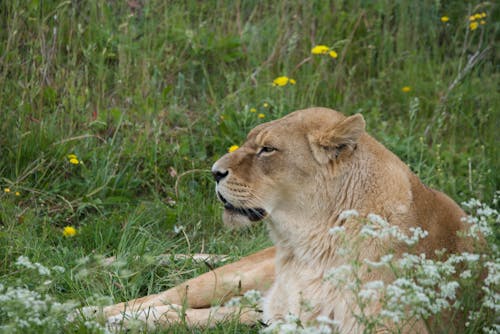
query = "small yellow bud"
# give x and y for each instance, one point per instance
(320, 49)
(69, 231)
(233, 148)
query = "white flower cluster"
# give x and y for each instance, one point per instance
(423, 287)
(482, 217)
(426, 287)
(347, 214)
(385, 260)
(23, 261)
(491, 286)
(30, 309)
(27, 309)
(405, 299)
(292, 325)
(378, 227)
(340, 274)
(371, 291)
(251, 298)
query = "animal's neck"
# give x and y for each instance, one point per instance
(304, 233)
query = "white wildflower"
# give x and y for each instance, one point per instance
(368, 294)
(291, 318)
(417, 234)
(448, 289)
(491, 286)
(95, 327)
(380, 228)
(495, 329)
(395, 316)
(326, 320)
(472, 203)
(482, 218)
(178, 229)
(377, 220)
(466, 274)
(385, 260)
(493, 277)
(347, 214)
(59, 269)
(374, 285)
(491, 300)
(23, 261)
(288, 328)
(470, 257)
(432, 275)
(339, 274)
(83, 260)
(337, 230)
(251, 298)
(42, 270)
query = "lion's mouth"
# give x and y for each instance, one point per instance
(253, 214)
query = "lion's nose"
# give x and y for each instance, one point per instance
(219, 174)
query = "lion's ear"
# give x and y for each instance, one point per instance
(327, 144)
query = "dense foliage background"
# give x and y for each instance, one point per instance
(148, 94)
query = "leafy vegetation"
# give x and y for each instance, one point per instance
(148, 94)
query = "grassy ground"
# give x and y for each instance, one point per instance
(148, 94)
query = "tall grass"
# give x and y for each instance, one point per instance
(147, 94)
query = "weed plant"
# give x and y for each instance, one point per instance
(112, 113)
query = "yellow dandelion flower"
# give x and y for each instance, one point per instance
(18, 193)
(406, 89)
(74, 161)
(6, 190)
(69, 231)
(253, 110)
(482, 22)
(280, 81)
(472, 18)
(292, 81)
(261, 116)
(483, 15)
(265, 105)
(72, 156)
(445, 19)
(478, 16)
(473, 26)
(320, 49)
(233, 148)
(333, 54)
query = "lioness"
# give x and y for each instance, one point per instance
(301, 172)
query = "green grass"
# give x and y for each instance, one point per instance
(149, 94)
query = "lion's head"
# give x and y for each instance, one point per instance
(281, 168)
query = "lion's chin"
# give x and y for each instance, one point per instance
(241, 218)
(237, 217)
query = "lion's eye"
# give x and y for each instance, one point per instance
(265, 150)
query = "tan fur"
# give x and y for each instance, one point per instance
(301, 172)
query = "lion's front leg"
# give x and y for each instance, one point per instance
(167, 315)
(255, 271)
